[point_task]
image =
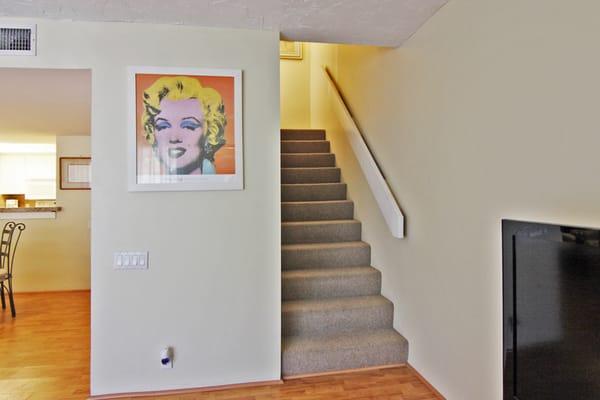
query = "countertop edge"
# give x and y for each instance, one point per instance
(30, 209)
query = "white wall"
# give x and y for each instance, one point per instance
(488, 112)
(213, 287)
(73, 241)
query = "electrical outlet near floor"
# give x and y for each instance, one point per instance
(166, 357)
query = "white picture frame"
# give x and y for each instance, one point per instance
(143, 178)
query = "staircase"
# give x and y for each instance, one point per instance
(333, 315)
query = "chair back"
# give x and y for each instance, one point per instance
(9, 240)
(5, 238)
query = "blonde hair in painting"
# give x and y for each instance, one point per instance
(183, 88)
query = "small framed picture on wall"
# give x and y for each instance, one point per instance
(290, 50)
(185, 129)
(75, 173)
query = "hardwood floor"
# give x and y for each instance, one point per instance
(386, 384)
(44, 354)
(44, 351)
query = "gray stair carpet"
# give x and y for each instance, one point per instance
(333, 315)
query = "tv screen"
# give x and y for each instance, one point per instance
(551, 279)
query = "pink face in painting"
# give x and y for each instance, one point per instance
(180, 125)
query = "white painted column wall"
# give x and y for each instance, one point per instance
(213, 287)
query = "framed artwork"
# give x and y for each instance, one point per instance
(185, 129)
(75, 173)
(290, 50)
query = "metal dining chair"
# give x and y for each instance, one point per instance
(9, 240)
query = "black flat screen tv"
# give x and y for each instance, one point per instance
(551, 317)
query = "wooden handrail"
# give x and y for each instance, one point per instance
(381, 191)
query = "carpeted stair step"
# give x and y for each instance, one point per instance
(308, 355)
(301, 160)
(325, 255)
(330, 282)
(317, 210)
(320, 231)
(310, 175)
(313, 191)
(318, 317)
(333, 315)
(302, 134)
(305, 146)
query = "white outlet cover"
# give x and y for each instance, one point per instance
(128, 260)
(166, 353)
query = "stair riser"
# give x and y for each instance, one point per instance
(330, 287)
(304, 146)
(317, 212)
(330, 322)
(301, 363)
(325, 258)
(320, 192)
(321, 233)
(310, 175)
(291, 160)
(300, 134)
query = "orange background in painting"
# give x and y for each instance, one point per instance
(225, 156)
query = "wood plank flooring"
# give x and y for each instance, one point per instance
(44, 354)
(44, 351)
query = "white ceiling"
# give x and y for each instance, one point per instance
(45, 102)
(376, 22)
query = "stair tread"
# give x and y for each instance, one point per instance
(307, 159)
(314, 184)
(336, 303)
(304, 141)
(303, 134)
(309, 168)
(341, 340)
(292, 175)
(328, 272)
(305, 146)
(342, 351)
(283, 130)
(327, 283)
(316, 202)
(332, 245)
(305, 154)
(317, 210)
(313, 191)
(320, 222)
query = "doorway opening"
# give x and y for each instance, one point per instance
(45, 182)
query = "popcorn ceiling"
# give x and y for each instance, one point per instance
(375, 22)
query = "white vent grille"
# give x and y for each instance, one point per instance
(17, 40)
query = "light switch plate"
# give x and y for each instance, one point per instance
(130, 260)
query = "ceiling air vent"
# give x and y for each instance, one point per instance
(17, 40)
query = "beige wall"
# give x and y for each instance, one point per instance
(212, 290)
(54, 254)
(323, 55)
(303, 94)
(488, 112)
(295, 91)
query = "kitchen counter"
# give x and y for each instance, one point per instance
(30, 209)
(29, 213)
